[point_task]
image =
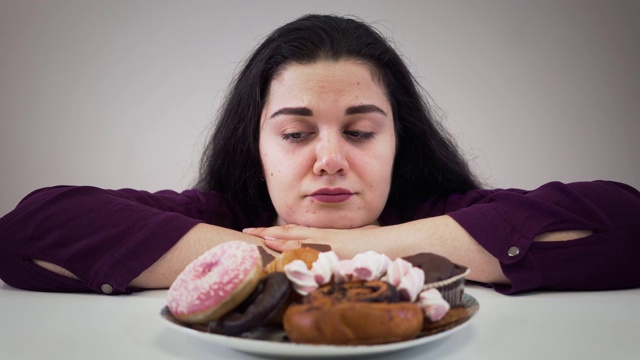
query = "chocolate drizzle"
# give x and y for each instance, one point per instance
(435, 267)
(355, 291)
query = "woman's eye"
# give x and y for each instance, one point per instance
(295, 137)
(359, 135)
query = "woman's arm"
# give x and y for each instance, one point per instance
(112, 241)
(577, 236)
(199, 239)
(162, 273)
(440, 235)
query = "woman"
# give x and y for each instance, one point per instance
(325, 138)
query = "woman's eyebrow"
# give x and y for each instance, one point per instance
(300, 111)
(361, 109)
(352, 110)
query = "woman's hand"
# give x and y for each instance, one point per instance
(345, 242)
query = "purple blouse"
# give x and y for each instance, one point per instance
(108, 237)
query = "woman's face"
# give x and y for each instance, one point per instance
(327, 145)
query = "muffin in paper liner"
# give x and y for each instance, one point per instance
(451, 288)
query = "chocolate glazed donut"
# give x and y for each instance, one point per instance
(353, 313)
(270, 295)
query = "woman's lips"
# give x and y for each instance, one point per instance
(333, 196)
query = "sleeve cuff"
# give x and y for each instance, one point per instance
(135, 255)
(504, 242)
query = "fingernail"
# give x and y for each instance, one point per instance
(248, 230)
(269, 238)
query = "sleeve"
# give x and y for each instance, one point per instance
(505, 222)
(104, 237)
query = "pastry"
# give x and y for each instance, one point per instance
(266, 301)
(353, 313)
(215, 283)
(441, 274)
(306, 254)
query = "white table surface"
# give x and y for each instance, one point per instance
(553, 325)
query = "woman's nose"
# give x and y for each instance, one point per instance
(330, 157)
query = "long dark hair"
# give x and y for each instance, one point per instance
(427, 161)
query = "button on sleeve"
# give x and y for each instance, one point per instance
(513, 251)
(106, 289)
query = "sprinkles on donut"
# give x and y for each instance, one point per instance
(215, 283)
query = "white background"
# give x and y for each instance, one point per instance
(122, 93)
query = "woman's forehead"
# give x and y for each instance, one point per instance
(345, 80)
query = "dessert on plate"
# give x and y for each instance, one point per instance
(317, 298)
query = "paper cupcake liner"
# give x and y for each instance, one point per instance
(451, 289)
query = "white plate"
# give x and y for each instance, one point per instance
(286, 349)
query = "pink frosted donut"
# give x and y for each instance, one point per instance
(215, 283)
